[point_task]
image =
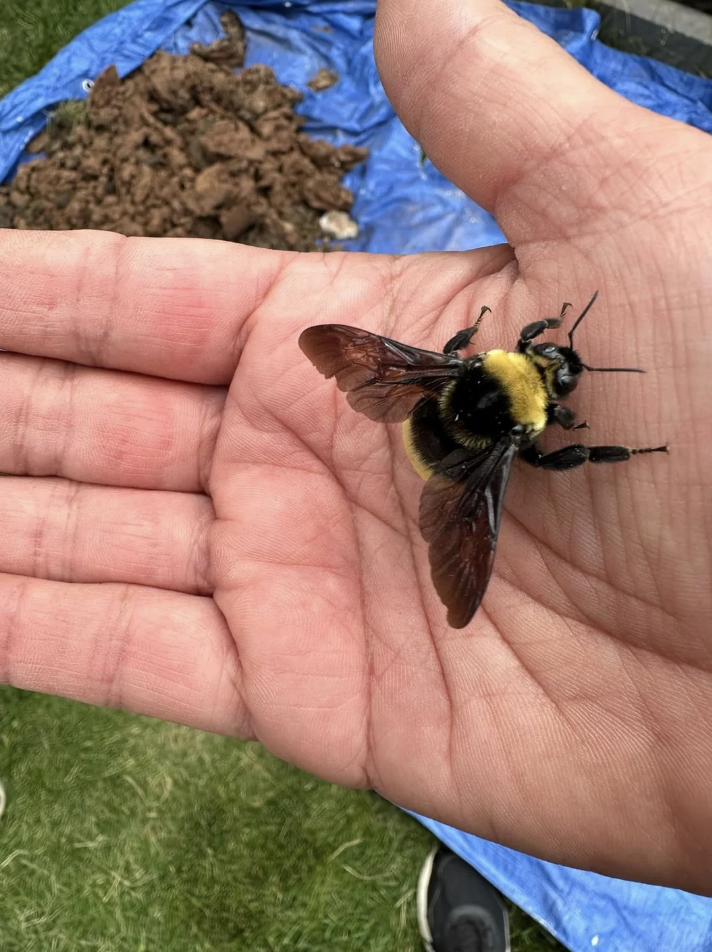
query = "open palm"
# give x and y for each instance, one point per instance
(257, 539)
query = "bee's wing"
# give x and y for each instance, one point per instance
(383, 378)
(460, 511)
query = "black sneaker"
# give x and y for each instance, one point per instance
(458, 910)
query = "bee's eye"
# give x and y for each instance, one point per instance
(549, 350)
(566, 381)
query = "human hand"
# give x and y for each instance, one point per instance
(262, 570)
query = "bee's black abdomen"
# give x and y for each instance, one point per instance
(477, 406)
(471, 413)
(428, 435)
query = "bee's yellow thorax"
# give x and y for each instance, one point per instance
(522, 383)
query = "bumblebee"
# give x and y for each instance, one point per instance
(464, 420)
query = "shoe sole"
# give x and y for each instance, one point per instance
(422, 900)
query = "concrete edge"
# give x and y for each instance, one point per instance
(664, 30)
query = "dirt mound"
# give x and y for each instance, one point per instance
(185, 147)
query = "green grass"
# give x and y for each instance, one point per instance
(124, 834)
(32, 31)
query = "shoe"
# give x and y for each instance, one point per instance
(458, 910)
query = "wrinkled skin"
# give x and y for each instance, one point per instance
(257, 540)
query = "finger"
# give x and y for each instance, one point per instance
(160, 653)
(70, 532)
(503, 111)
(170, 307)
(103, 426)
(183, 309)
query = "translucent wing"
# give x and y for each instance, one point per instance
(383, 378)
(460, 512)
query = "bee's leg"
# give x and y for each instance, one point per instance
(564, 416)
(531, 331)
(463, 338)
(568, 457)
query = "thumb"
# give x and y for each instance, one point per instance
(504, 112)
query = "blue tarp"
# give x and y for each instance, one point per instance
(403, 205)
(585, 911)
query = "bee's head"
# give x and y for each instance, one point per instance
(562, 367)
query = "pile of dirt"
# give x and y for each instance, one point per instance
(186, 147)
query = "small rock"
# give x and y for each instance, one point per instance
(338, 225)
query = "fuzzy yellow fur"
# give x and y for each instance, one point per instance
(522, 383)
(421, 468)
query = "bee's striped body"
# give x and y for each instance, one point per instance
(498, 391)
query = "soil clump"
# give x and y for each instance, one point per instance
(185, 147)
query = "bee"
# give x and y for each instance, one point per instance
(465, 419)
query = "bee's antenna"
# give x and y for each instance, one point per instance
(611, 370)
(580, 318)
(607, 370)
